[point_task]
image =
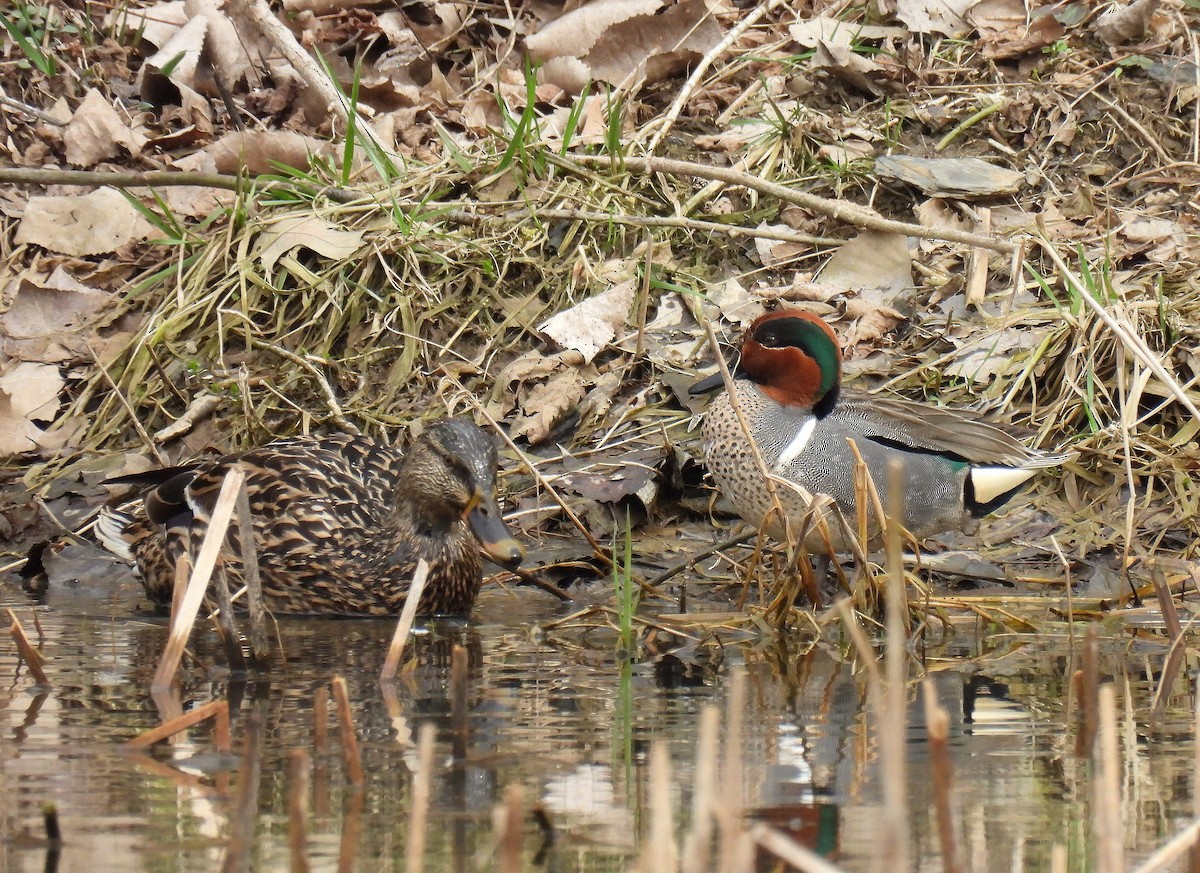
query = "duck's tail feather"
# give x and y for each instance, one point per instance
(110, 528)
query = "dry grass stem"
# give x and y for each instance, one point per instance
(392, 662)
(422, 789)
(350, 751)
(840, 210)
(32, 657)
(217, 710)
(230, 639)
(206, 560)
(893, 845)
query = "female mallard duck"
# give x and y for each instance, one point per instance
(339, 521)
(788, 386)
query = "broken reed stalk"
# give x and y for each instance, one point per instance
(512, 836)
(392, 662)
(206, 561)
(460, 730)
(32, 657)
(1106, 789)
(893, 845)
(230, 639)
(1178, 846)
(659, 851)
(791, 852)
(245, 817)
(341, 697)
(418, 814)
(217, 710)
(320, 720)
(1177, 651)
(697, 845)
(300, 767)
(257, 612)
(183, 572)
(1194, 854)
(1088, 694)
(937, 726)
(351, 832)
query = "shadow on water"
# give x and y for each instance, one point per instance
(559, 715)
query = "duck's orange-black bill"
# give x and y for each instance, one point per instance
(493, 534)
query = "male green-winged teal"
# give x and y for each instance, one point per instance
(339, 521)
(788, 386)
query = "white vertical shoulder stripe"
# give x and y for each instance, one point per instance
(793, 449)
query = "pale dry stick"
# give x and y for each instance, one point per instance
(791, 852)
(251, 576)
(33, 658)
(937, 727)
(1106, 789)
(418, 814)
(697, 845)
(730, 230)
(200, 408)
(217, 710)
(206, 561)
(893, 844)
(341, 697)
(685, 93)
(392, 662)
(838, 210)
(1128, 337)
(513, 834)
(179, 584)
(301, 765)
(659, 852)
(1187, 840)
(259, 14)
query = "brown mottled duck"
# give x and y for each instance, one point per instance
(339, 521)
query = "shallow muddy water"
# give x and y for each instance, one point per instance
(559, 715)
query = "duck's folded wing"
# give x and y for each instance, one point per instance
(958, 433)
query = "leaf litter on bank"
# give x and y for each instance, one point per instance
(420, 294)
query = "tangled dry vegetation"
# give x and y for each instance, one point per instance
(380, 214)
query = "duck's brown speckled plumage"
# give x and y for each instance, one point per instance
(340, 522)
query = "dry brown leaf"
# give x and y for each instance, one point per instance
(44, 322)
(737, 305)
(89, 224)
(847, 66)
(256, 152)
(547, 404)
(950, 177)
(823, 28)
(1121, 23)
(589, 326)
(28, 394)
(947, 17)
(994, 354)
(623, 41)
(1022, 40)
(96, 133)
(773, 252)
(873, 318)
(872, 260)
(306, 231)
(155, 24)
